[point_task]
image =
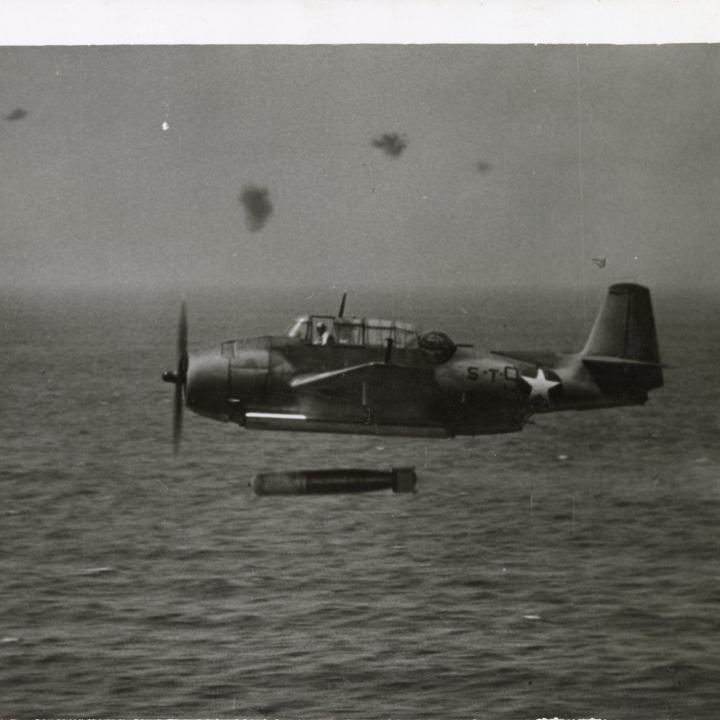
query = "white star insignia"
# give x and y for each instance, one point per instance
(540, 385)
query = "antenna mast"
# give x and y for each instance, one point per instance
(582, 192)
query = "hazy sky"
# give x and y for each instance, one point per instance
(126, 165)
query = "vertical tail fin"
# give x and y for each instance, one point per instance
(622, 350)
(625, 326)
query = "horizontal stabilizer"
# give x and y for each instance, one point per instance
(612, 360)
(624, 376)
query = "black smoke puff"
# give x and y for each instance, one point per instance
(391, 144)
(17, 114)
(258, 207)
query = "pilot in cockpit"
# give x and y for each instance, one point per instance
(324, 337)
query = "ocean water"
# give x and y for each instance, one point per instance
(570, 570)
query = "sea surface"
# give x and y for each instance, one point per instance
(571, 570)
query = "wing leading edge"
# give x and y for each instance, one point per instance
(353, 372)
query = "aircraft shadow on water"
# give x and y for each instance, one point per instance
(358, 375)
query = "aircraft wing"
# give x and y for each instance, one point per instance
(352, 373)
(391, 384)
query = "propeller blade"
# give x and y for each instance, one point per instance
(182, 335)
(177, 418)
(181, 377)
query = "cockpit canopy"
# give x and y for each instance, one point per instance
(358, 332)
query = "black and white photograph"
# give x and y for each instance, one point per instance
(359, 377)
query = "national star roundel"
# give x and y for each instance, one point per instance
(542, 386)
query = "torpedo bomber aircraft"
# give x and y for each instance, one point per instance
(338, 374)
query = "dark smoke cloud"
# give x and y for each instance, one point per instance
(483, 166)
(391, 144)
(258, 207)
(17, 114)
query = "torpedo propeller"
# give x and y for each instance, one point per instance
(179, 378)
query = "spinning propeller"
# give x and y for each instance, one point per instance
(179, 378)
